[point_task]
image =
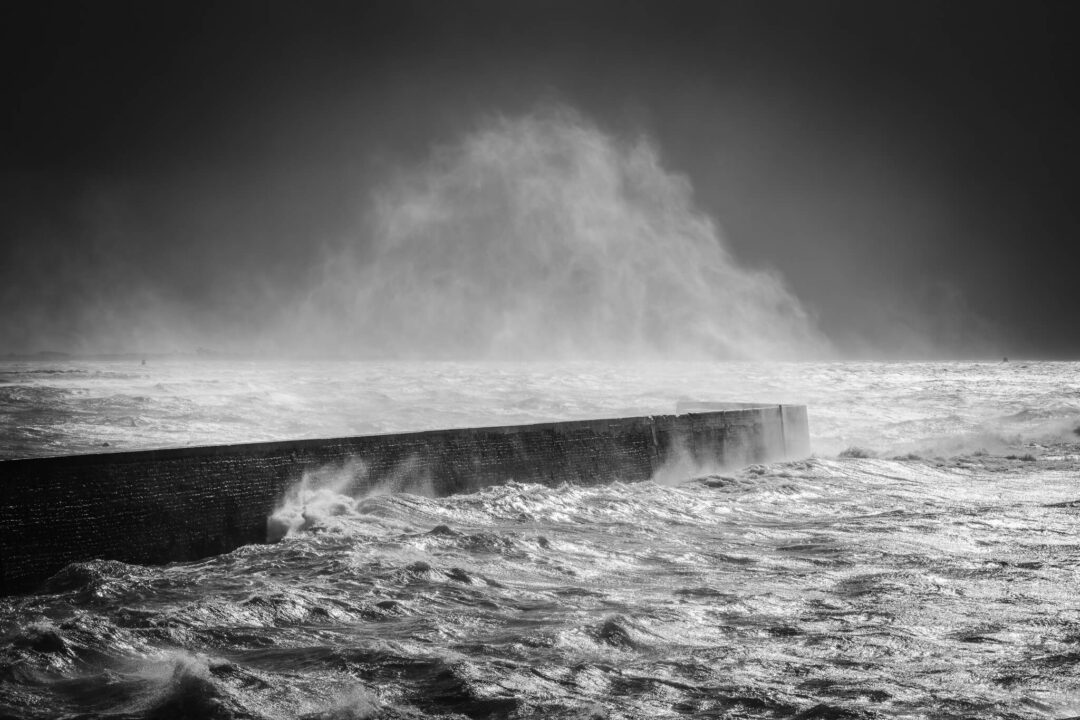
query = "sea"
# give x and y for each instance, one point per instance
(924, 562)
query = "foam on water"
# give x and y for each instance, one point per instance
(915, 586)
(58, 408)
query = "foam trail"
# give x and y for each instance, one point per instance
(542, 237)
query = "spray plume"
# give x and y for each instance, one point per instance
(543, 237)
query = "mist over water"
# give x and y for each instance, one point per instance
(541, 236)
(537, 236)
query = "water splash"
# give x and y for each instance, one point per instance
(319, 494)
(332, 491)
(543, 237)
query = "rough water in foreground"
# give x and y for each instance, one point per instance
(923, 564)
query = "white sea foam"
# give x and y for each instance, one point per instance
(890, 408)
(835, 586)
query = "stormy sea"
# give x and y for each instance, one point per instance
(921, 564)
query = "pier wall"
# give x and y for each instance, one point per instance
(159, 506)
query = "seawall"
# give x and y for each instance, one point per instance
(159, 506)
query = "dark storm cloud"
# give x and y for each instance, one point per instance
(176, 173)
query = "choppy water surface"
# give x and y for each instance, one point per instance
(937, 579)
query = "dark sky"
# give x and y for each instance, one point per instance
(909, 168)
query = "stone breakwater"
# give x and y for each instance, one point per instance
(159, 506)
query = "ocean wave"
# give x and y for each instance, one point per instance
(938, 582)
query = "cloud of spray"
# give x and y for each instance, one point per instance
(543, 237)
(537, 236)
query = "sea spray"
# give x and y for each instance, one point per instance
(335, 490)
(541, 236)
